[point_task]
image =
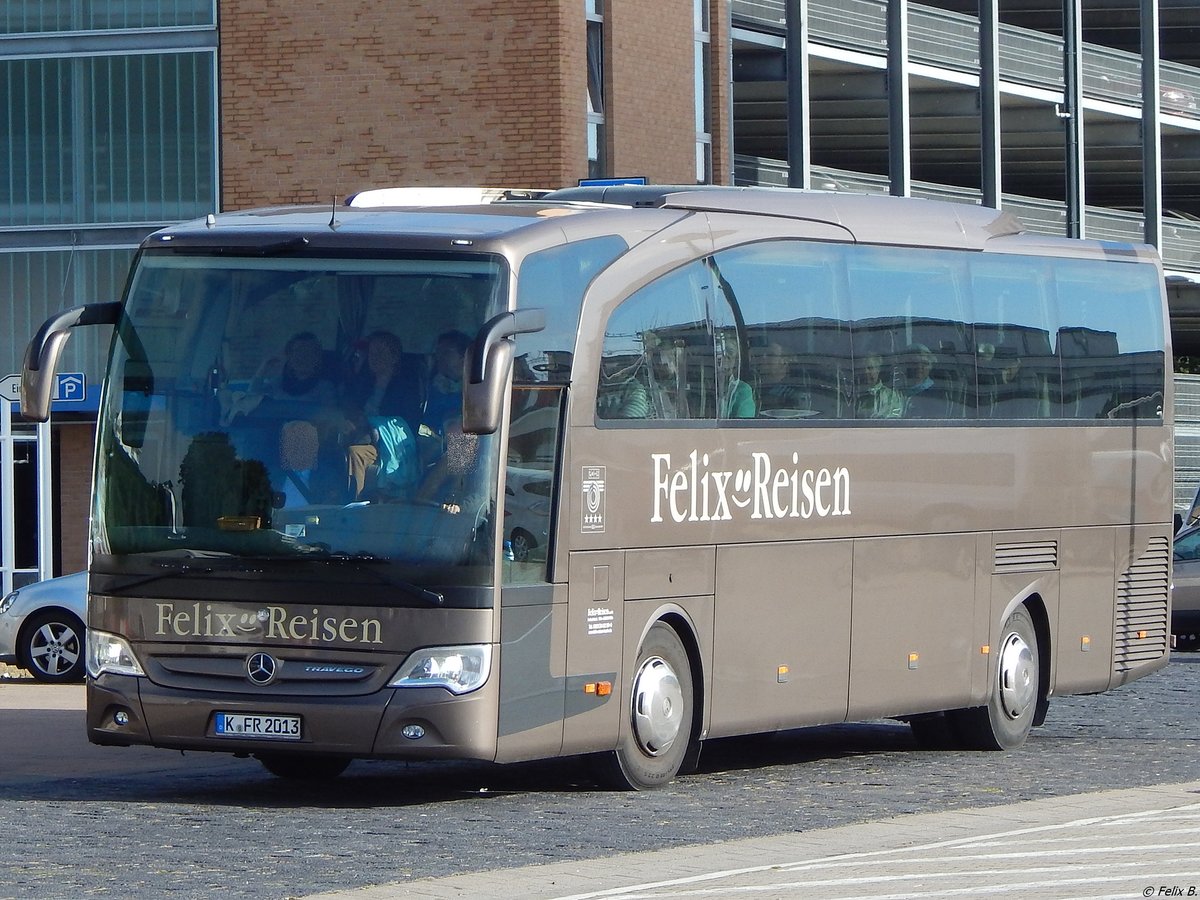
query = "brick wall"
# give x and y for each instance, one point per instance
(74, 443)
(720, 91)
(329, 97)
(650, 84)
(650, 72)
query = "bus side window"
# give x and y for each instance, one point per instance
(658, 358)
(785, 297)
(1114, 366)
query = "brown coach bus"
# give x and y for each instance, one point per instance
(616, 471)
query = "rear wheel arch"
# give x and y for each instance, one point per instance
(686, 631)
(1014, 688)
(1036, 607)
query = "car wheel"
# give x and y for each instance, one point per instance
(1005, 722)
(522, 543)
(52, 648)
(301, 767)
(659, 731)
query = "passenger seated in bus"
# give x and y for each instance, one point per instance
(287, 387)
(777, 393)
(381, 399)
(736, 396)
(621, 395)
(1015, 394)
(443, 395)
(298, 385)
(292, 388)
(925, 398)
(667, 393)
(875, 400)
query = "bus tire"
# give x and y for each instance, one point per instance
(1005, 722)
(935, 731)
(655, 744)
(301, 767)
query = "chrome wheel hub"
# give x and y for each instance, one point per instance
(1018, 677)
(657, 706)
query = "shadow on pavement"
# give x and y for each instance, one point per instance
(47, 757)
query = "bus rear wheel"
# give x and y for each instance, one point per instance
(1005, 722)
(661, 710)
(300, 767)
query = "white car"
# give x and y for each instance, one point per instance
(42, 630)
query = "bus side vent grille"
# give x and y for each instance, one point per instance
(1026, 556)
(1142, 631)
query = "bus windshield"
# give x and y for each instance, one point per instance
(298, 408)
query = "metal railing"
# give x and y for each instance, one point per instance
(951, 41)
(1187, 439)
(1181, 237)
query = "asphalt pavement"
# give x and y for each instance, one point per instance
(1101, 802)
(1141, 842)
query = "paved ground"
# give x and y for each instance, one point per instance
(1133, 843)
(88, 821)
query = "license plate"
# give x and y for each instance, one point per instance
(258, 725)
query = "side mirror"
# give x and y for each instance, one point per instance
(41, 356)
(488, 364)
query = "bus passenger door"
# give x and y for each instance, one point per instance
(595, 582)
(533, 642)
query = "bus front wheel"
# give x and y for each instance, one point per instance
(1005, 722)
(659, 728)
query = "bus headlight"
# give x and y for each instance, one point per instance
(109, 653)
(457, 669)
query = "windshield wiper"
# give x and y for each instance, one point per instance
(181, 570)
(433, 598)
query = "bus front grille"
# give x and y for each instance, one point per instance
(1142, 632)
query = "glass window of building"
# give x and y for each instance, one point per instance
(597, 164)
(700, 24)
(98, 149)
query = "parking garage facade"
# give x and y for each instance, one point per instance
(123, 116)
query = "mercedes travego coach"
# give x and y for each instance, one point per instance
(613, 472)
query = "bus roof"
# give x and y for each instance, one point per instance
(871, 218)
(868, 218)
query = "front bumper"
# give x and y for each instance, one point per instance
(365, 726)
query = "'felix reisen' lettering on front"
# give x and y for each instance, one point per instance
(201, 620)
(694, 492)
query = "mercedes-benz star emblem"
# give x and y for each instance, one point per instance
(261, 668)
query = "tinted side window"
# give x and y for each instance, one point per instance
(659, 355)
(1109, 340)
(555, 280)
(912, 331)
(792, 302)
(797, 330)
(1016, 318)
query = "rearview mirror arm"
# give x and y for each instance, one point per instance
(42, 353)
